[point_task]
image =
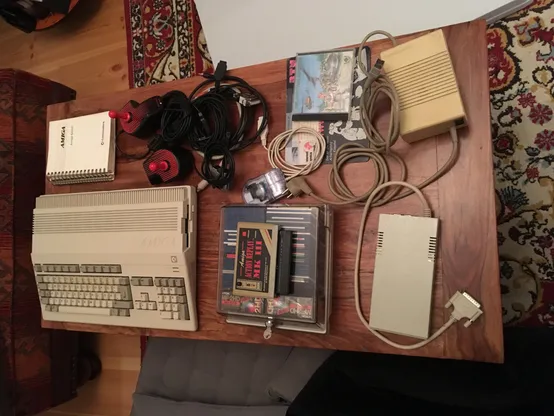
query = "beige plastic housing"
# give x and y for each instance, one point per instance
(403, 276)
(422, 72)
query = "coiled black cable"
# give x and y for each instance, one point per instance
(218, 166)
(177, 118)
(210, 124)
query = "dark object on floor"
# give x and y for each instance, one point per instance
(89, 367)
(18, 18)
(384, 384)
(37, 365)
(181, 376)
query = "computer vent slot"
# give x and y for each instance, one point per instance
(101, 221)
(432, 253)
(380, 238)
(123, 197)
(425, 80)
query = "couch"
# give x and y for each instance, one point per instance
(182, 377)
(37, 366)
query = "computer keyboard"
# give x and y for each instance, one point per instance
(118, 258)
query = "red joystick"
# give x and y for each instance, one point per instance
(162, 165)
(121, 116)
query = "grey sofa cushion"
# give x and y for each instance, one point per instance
(223, 373)
(154, 406)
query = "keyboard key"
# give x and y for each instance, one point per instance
(171, 282)
(163, 282)
(157, 282)
(115, 268)
(166, 315)
(122, 280)
(173, 299)
(97, 269)
(144, 297)
(105, 269)
(38, 268)
(143, 305)
(86, 303)
(167, 299)
(43, 286)
(114, 312)
(179, 282)
(124, 312)
(174, 307)
(160, 290)
(105, 296)
(146, 281)
(180, 290)
(104, 304)
(125, 292)
(123, 305)
(137, 305)
(160, 299)
(167, 307)
(135, 281)
(97, 303)
(84, 311)
(74, 268)
(80, 302)
(110, 281)
(165, 290)
(172, 290)
(176, 316)
(151, 306)
(111, 296)
(102, 288)
(110, 304)
(73, 302)
(118, 296)
(65, 268)
(181, 299)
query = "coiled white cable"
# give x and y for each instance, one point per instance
(278, 145)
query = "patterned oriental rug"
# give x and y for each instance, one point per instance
(165, 41)
(521, 69)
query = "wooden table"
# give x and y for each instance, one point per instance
(463, 200)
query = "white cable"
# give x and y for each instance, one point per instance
(278, 145)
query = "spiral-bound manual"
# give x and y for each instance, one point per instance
(81, 149)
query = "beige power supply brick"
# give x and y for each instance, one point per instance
(422, 72)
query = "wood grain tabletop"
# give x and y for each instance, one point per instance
(463, 200)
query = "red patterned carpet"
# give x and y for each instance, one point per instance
(165, 41)
(521, 69)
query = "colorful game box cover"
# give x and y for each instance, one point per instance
(323, 86)
(336, 132)
(307, 277)
(256, 259)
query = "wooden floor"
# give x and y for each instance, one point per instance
(87, 52)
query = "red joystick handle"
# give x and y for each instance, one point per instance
(163, 165)
(121, 116)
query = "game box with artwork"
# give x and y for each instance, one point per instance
(307, 304)
(323, 85)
